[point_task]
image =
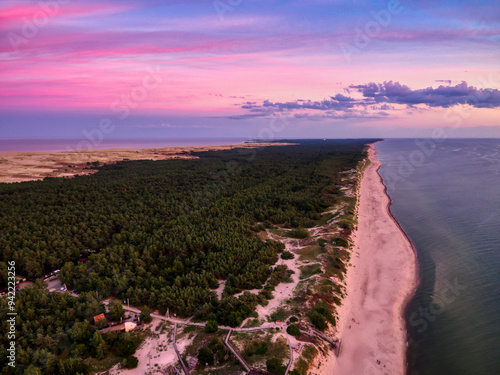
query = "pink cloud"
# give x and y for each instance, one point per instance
(13, 17)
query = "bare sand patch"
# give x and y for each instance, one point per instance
(27, 166)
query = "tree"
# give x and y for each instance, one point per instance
(124, 345)
(102, 323)
(293, 330)
(206, 356)
(32, 370)
(99, 346)
(116, 311)
(211, 326)
(234, 319)
(275, 367)
(130, 362)
(146, 315)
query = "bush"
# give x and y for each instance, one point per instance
(298, 233)
(146, 315)
(293, 330)
(294, 319)
(341, 242)
(257, 348)
(275, 367)
(234, 319)
(206, 356)
(318, 320)
(130, 362)
(325, 311)
(287, 255)
(321, 242)
(211, 326)
(124, 346)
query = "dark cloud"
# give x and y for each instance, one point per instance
(443, 96)
(376, 100)
(337, 102)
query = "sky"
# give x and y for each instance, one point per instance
(250, 69)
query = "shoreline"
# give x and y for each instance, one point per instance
(410, 296)
(381, 279)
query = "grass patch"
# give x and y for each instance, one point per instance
(298, 233)
(311, 252)
(280, 314)
(189, 329)
(253, 323)
(309, 270)
(279, 232)
(326, 286)
(103, 364)
(257, 347)
(308, 354)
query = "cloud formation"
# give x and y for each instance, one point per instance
(443, 96)
(377, 98)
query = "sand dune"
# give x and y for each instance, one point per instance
(26, 166)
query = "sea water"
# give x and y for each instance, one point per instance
(60, 145)
(446, 196)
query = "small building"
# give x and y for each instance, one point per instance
(99, 317)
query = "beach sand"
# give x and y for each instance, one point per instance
(27, 166)
(381, 279)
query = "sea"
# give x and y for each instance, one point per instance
(446, 196)
(75, 144)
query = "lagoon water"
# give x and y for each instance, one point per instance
(446, 196)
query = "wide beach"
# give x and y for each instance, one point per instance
(380, 280)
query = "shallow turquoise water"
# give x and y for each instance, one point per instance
(446, 196)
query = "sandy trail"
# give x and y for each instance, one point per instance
(379, 282)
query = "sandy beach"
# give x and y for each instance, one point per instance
(380, 280)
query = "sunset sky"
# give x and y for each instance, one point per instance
(249, 68)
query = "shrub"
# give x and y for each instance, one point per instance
(130, 362)
(125, 346)
(287, 255)
(294, 319)
(146, 315)
(275, 367)
(341, 242)
(298, 233)
(321, 242)
(293, 330)
(206, 356)
(211, 326)
(318, 320)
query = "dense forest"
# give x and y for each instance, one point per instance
(164, 233)
(55, 334)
